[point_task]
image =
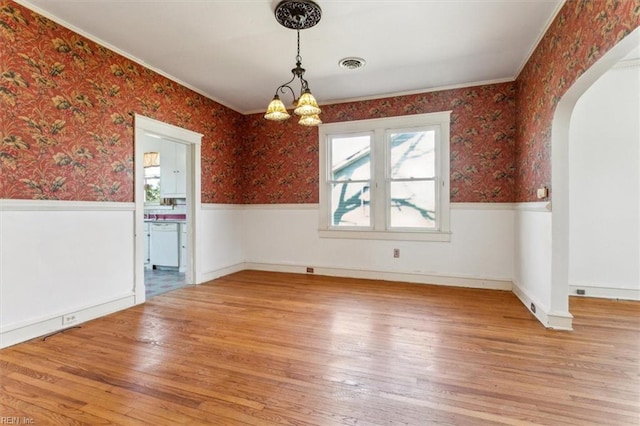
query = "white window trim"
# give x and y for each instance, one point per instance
(379, 127)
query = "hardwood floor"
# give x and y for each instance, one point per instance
(262, 348)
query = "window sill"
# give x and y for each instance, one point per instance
(435, 236)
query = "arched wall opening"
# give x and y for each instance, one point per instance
(560, 169)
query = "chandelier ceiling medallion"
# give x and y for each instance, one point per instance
(296, 15)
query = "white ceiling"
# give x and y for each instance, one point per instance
(236, 53)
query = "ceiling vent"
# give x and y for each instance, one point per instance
(352, 63)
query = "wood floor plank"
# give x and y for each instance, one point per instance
(262, 348)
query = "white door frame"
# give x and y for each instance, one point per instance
(148, 126)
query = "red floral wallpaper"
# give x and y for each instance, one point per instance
(67, 104)
(66, 117)
(280, 160)
(581, 33)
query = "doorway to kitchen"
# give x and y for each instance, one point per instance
(167, 202)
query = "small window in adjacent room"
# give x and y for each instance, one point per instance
(151, 177)
(386, 178)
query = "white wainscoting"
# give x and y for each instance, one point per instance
(60, 258)
(532, 264)
(220, 249)
(480, 254)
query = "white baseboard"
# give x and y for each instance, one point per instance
(594, 290)
(550, 319)
(18, 333)
(456, 281)
(220, 272)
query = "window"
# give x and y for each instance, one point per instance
(350, 180)
(386, 178)
(151, 177)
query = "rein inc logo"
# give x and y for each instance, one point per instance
(6, 420)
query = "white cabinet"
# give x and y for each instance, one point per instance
(164, 244)
(173, 170)
(146, 235)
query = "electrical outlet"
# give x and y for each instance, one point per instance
(396, 253)
(309, 270)
(69, 319)
(581, 291)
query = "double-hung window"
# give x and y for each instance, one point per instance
(386, 178)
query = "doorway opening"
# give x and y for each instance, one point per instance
(167, 202)
(165, 214)
(604, 186)
(560, 166)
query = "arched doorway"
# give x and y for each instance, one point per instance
(560, 168)
(604, 186)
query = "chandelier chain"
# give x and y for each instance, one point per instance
(298, 57)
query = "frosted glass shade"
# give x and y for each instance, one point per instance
(307, 105)
(276, 110)
(310, 120)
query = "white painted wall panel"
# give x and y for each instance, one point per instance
(532, 274)
(604, 184)
(481, 246)
(58, 262)
(220, 240)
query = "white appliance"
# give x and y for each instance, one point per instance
(164, 244)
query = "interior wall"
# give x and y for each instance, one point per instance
(78, 102)
(60, 259)
(604, 183)
(480, 254)
(69, 113)
(221, 249)
(581, 34)
(532, 259)
(280, 160)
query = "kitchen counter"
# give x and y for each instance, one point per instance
(165, 218)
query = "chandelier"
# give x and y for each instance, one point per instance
(296, 15)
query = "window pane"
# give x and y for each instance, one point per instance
(153, 171)
(413, 204)
(152, 189)
(351, 158)
(413, 154)
(350, 204)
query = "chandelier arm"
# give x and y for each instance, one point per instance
(304, 86)
(281, 90)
